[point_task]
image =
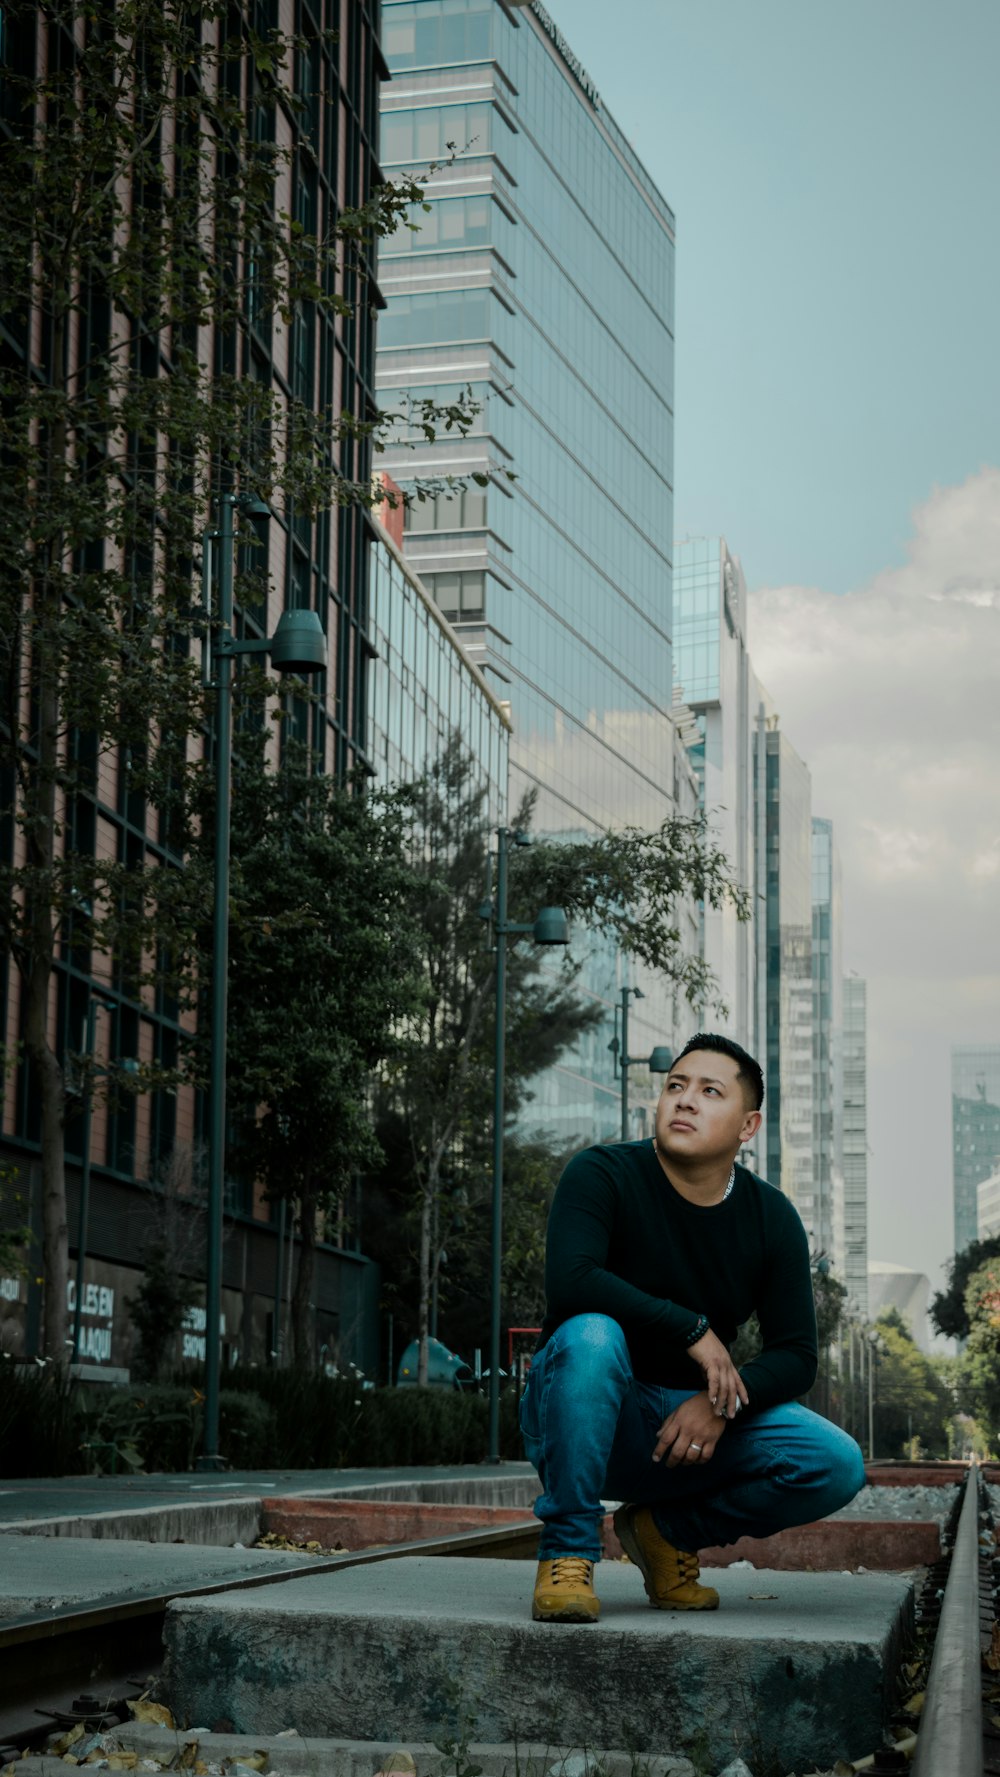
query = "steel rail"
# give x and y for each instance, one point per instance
(950, 1738)
(46, 1659)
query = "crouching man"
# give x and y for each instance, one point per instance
(656, 1253)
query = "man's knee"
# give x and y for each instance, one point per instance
(842, 1468)
(592, 1344)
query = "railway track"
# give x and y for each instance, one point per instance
(84, 1664)
(74, 1664)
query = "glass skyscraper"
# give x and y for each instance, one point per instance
(788, 991)
(541, 276)
(827, 1036)
(714, 677)
(975, 1129)
(850, 1249)
(423, 690)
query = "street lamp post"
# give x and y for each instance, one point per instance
(298, 645)
(659, 1062)
(550, 927)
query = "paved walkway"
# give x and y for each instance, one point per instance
(75, 1496)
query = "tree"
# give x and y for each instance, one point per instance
(949, 1309)
(173, 1256)
(140, 240)
(911, 1399)
(978, 1368)
(324, 967)
(625, 885)
(431, 1098)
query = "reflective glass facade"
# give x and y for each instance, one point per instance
(542, 276)
(423, 688)
(851, 1230)
(827, 1036)
(975, 1129)
(713, 676)
(788, 1008)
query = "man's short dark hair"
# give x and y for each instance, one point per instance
(748, 1069)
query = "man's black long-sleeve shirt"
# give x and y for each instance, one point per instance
(623, 1242)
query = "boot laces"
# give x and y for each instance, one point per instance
(688, 1564)
(571, 1570)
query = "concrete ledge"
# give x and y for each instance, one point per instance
(359, 1524)
(482, 1490)
(798, 1667)
(206, 1522)
(834, 1545)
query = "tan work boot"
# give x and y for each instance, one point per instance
(670, 1575)
(564, 1591)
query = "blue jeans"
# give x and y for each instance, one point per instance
(589, 1428)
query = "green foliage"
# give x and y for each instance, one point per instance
(332, 1422)
(830, 1296)
(949, 1311)
(156, 1311)
(39, 1428)
(628, 883)
(911, 1398)
(293, 1419)
(160, 1429)
(15, 1235)
(324, 966)
(978, 1368)
(431, 1195)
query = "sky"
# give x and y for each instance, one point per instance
(835, 173)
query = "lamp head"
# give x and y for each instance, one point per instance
(661, 1060)
(551, 927)
(298, 645)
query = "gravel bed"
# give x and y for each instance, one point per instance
(926, 1504)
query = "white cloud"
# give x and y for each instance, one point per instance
(891, 694)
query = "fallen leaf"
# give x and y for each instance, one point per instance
(65, 1741)
(915, 1704)
(157, 1713)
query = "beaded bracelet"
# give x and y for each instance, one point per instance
(698, 1331)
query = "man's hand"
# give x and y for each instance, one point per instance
(723, 1383)
(690, 1434)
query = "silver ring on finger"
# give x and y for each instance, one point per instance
(695, 1447)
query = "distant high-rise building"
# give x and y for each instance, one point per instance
(975, 1129)
(988, 1202)
(541, 275)
(424, 691)
(827, 1035)
(896, 1286)
(850, 1249)
(714, 677)
(785, 883)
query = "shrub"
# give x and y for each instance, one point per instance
(160, 1429)
(39, 1433)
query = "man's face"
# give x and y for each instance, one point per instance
(703, 1112)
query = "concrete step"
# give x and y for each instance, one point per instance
(795, 1667)
(364, 1523)
(890, 1545)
